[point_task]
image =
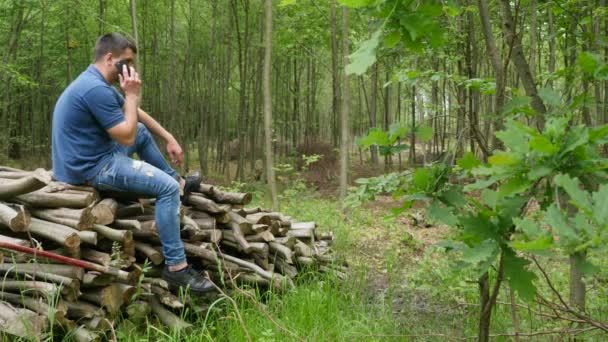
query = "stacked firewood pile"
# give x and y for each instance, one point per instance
(116, 241)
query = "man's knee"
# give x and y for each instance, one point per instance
(171, 187)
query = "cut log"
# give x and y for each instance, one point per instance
(206, 189)
(259, 218)
(326, 236)
(166, 297)
(30, 287)
(88, 236)
(110, 298)
(282, 266)
(230, 197)
(304, 225)
(264, 236)
(63, 199)
(68, 271)
(96, 256)
(96, 279)
(289, 242)
(12, 188)
(138, 310)
(79, 219)
(205, 204)
(130, 210)
(38, 305)
(64, 235)
(167, 317)
(82, 334)
(105, 211)
(127, 224)
(21, 322)
(81, 309)
(149, 252)
(302, 249)
(14, 217)
(206, 223)
(302, 234)
(282, 250)
(305, 261)
(245, 226)
(239, 237)
(14, 241)
(113, 234)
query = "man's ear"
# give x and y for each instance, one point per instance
(108, 59)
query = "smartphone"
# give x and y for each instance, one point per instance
(120, 64)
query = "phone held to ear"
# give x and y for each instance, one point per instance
(119, 66)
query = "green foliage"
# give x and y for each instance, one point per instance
(389, 143)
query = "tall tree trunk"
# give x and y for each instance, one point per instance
(268, 108)
(345, 108)
(497, 65)
(520, 62)
(373, 110)
(335, 75)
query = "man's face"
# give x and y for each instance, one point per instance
(128, 56)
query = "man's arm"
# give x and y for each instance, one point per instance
(173, 148)
(125, 132)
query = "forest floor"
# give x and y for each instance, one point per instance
(399, 286)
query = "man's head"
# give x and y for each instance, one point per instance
(111, 48)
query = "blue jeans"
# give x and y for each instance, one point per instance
(151, 177)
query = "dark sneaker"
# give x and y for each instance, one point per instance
(193, 183)
(187, 278)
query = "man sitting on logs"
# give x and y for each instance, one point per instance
(96, 130)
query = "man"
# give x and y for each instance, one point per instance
(96, 129)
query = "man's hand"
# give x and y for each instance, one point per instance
(131, 85)
(176, 154)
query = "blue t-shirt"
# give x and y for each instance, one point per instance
(81, 145)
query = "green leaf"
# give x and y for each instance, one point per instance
(421, 178)
(392, 39)
(424, 133)
(518, 104)
(365, 56)
(598, 133)
(550, 97)
(577, 136)
(514, 138)
(356, 3)
(287, 3)
(600, 205)
(376, 136)
(478, 227)
(587, 62)
(514, 185)
(490, 198)
(527, 226)
(543, 145)
(540, 244)
(557, 221)
(441, 214)
(539, 171)
(480, 184)
(521, 280)
(482, 253)
(503, 159)
(578, 197)
(397, 131)
(468, 161)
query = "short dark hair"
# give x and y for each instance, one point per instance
(113, 42)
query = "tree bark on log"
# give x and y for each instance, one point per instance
(14, 187)
(105, 211)
(149, 252)
(166, 297)
(21, 322)
(167, 317)
(204, 204)
(230, 197)
(61, 234)
(79, 219)
(14, 217)
(81, 309)
(63, 199)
